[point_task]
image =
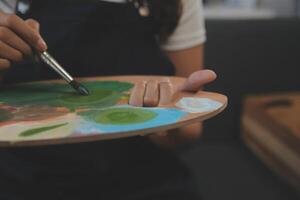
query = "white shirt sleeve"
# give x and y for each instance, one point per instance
(190, 31)
(8, 6)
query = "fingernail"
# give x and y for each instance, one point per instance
(42, 44)
(212, 72)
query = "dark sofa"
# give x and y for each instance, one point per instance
(250, 57)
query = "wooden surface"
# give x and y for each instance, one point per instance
(270, 128)
(175, 81)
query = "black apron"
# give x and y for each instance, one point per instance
(94, 38)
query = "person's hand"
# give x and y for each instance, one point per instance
(17, 38)
(153, 93)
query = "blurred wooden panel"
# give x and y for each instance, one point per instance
(271, 129)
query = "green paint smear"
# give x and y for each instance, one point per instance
(123, 116)
(103, 94)
(36, 131)
(94, 97)
(5, 115)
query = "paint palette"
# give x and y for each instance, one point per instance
(50, 112)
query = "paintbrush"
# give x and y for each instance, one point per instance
(49, 60)
(45, 56)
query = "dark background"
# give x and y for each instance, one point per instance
(250, 57)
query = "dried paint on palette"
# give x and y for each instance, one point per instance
(37, 111)
(5, 115)
(127, 118)
(35, 131)
(198, 105)
(122, 116)
(52, 128)
(103, 94)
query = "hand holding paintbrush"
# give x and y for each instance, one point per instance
(19, 39)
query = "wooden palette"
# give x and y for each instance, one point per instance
(50, 112)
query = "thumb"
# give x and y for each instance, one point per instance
(36, 27)
(197, 80)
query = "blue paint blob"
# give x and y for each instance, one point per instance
(164, 116)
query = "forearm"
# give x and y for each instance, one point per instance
(186, 62)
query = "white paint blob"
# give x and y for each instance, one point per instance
(198, 105)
